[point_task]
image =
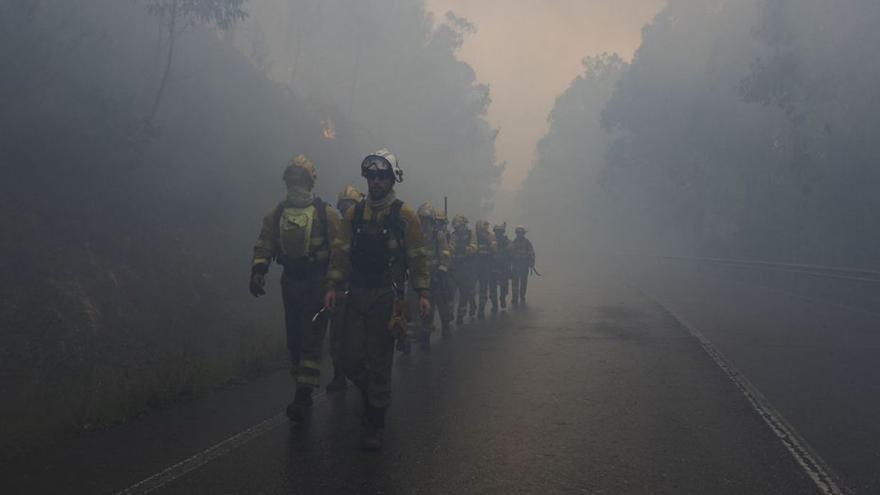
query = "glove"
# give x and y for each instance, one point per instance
(258, 281)
(399, 318)
(424, 306)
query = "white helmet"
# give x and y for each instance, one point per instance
(381, 161)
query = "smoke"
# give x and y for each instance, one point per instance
(142, 142)
(390, 70)
(741, 129)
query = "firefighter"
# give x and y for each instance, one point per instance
(463, 245)
(441, 226)
(379, 240)
(522, 256)
(349, 197)
(486, 248)
(498, 286)
(439, 258)
(297, 234)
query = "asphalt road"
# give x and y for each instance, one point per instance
(810, 344)
(594, 388)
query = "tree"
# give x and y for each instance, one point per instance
(178, 15)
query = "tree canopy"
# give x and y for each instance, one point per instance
(739, 129)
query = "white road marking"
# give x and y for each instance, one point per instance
(198, 460)
(813, 465)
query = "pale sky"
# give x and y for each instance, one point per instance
(528, 51)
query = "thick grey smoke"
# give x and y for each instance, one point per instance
(389, 70)
(141, 143)
(741, 129)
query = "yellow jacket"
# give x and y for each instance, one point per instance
(461, 247)
(486, 244)
(438, 251)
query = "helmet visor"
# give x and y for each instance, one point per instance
(375, 163)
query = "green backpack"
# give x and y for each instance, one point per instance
(295, 225)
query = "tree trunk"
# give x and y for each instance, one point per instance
(169, 58)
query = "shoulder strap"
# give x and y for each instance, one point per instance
(359, 212)
(398, 233)
(395, 210)
(321, 210)
(276, 223)
(357, 219)
(392, 222)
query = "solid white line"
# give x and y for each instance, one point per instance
(776, 264)
(196, 461)
(814, 466)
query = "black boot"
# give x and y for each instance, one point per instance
(299, 409)
(339, 382)
(374, 426)
(444, 329)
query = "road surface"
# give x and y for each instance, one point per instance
(594, 388)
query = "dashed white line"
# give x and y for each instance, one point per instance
(196, 461)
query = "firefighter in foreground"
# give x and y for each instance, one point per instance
(379, 240)
(463, 245)
(498, 286)
(438, 258)
(298, 234)
(349, 197)
(485, 256)
(522, 256)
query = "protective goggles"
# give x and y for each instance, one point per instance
(376, 164)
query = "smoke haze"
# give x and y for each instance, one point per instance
(533, 54)
(142, 141)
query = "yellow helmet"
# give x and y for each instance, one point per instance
(440, 217)
(426, 210)
(298, 165)
(350, 193)
(459, 220)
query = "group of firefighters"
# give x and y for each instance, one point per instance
(360, 267)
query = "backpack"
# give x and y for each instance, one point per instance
(294, 227)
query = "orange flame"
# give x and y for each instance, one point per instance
(329, 129)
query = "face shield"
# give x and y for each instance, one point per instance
(377, 165)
